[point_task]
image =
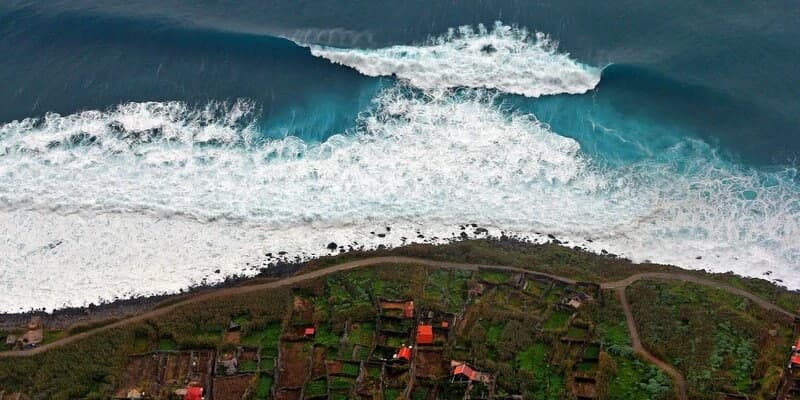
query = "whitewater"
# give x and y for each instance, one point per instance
(152, 197)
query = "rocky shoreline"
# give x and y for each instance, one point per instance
(64, 318)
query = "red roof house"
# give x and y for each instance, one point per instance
(466, 371)
(445, 324)
(193, 393)
(425, 334)
(404, 353)
(310, 332)
(795, 358)
(408, 309)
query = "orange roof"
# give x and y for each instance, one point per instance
(795, 359)
(425, 334)
(408, 309)
(193, 393)
(465, 370)
(404, 353)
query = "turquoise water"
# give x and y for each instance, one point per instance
(666, 133)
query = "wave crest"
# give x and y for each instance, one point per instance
(505, 58)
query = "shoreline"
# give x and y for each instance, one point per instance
(69, 318)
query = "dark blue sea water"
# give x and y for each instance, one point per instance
(663, 130)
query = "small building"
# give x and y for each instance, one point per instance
(404, 353)
(229, 363)
(193, 393)
(408, 309)
(462, 371)
(31, 339)
(310, 332)
(11, 341)
(445, 325)
(425, 334)
(576, 300)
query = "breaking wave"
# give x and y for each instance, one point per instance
(150, 197)
(506, 58)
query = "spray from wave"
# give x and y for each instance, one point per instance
(506, 58)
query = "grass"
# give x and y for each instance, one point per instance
(493, 333)
(577, 333)
(248, 366)
(263, 387)
(267, 363)
(341, 382)
(392, 394)
(557, 320)
(167, 344)
(362, 333)
(549, 384)
(266, 337)
(351, 369)
(316, 388)
(495, 277)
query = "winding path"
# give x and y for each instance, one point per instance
(617, 286)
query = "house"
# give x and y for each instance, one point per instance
(576, 300)
(193, 393)
(229, 363)
(462, 371)
(31, 339)
(404, 353)
(425, 334)
(408, 309)
(310, 332)
(11, 341)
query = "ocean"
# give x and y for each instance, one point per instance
(147, 146)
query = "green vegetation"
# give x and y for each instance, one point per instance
(263, 387)
(721, 343)
(523, 336)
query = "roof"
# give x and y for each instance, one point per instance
(193, 393)
(408, 309)
(795, 359)
(310, 331)
(404, 353)
(467, 371)
(445, 324)
(33, 337)
(425, 334)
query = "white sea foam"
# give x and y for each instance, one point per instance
(506, 58)
(152, 197)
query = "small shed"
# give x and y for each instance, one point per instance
(466, 371)
(425, 334)
(310, 332)
(404, 353)
(32, 338)
(193, 393)
(408, 309)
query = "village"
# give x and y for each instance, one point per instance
(358, 335)
(389, 332)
